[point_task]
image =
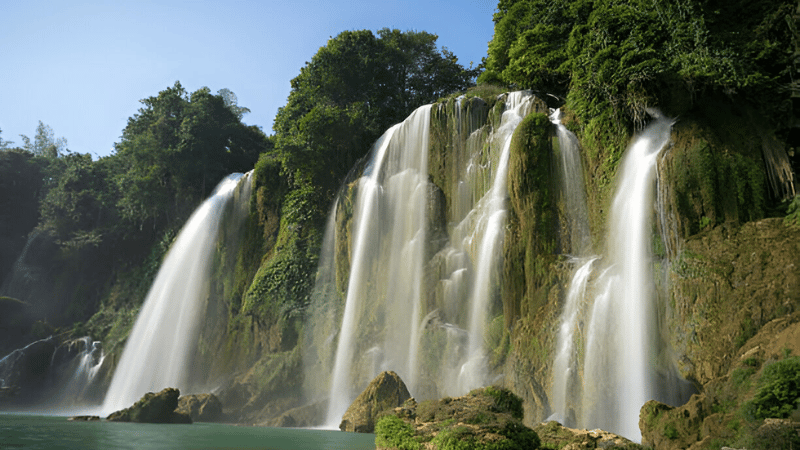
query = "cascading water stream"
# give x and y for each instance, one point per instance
(565, 363)
(577, 242)
(572, 190)
(621, 336)
(490, 230)
(389, 231)
(387, 312)
(160, 347)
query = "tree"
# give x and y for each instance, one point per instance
(44, 142)
(177, 147)
(4, 145)
(631, 54)
(351, 91)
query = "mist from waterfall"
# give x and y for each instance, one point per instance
(404, 292)
(160, 348)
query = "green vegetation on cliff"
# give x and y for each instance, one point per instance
(485, 419)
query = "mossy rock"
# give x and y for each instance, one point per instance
(385, 392)
(153, 408)
(486, 419)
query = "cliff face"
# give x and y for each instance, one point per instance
(723, 270)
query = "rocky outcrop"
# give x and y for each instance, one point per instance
(301, 417)
(666, 427)
(554, 435)
(485, 418)
(24, 371)
(385, 392)
(200, 407)
(724, 412)
(153, 408)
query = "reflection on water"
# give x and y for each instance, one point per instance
(48, 432)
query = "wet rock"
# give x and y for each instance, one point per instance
(385, 392)
(200, 407)
(153, 408)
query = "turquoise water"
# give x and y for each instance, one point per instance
(49, 432)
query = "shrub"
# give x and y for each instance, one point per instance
(393, 432)
(778, 392)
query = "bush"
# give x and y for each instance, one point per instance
(506, 401)
(778, 392)
(393, 432)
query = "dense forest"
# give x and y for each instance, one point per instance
(81, 239)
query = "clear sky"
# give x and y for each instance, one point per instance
(81, 67)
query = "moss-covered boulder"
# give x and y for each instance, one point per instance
(666, 427)
(554, 435)
(153, 408)
(200, 407)
(485, 419)
(385, 392)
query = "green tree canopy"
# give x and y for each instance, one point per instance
(178, 146)
(44, 142)
(634, 53)
(4, 145)
(351, 91)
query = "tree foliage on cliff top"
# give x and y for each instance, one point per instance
(351, 91)
(631, 53)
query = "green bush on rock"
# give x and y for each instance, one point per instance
(485, 419)
(393, 432)
(778, 392)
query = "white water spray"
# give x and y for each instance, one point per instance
(161, 345)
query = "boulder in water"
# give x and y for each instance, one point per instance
(385, 392)
(200, 407)
(153, 408)
(84, 419)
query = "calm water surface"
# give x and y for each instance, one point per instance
(49, 432)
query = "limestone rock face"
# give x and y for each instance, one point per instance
(200, 407)
(153, 408)
(385, 392)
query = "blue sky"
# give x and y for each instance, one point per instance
(82, 66)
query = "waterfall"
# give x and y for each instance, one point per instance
(619, 343)
(577, 241)
(572, 193)
(619, 369)
(77, 363)
(161, 345)
(388, 247)
(490, 230)
(417, 302)
(565, 363)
